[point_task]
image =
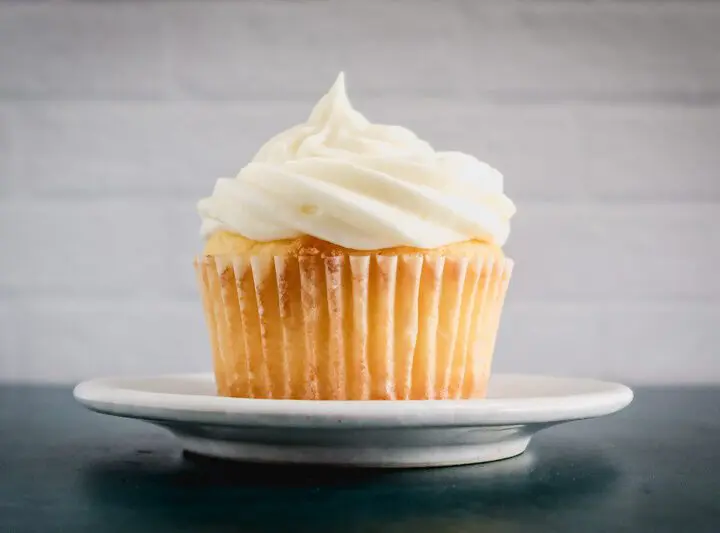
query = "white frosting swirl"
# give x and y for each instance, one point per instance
(359, 185)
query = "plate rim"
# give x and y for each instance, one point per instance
(109, 396)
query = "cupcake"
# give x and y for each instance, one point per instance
(352, 261)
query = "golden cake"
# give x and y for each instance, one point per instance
(351, 261)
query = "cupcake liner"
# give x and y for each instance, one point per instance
(353, 327)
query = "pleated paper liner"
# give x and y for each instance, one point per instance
(354, 327)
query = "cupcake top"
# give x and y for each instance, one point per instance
(359, 185)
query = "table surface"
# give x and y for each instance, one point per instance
(653, 467)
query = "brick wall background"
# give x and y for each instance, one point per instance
(604, 116)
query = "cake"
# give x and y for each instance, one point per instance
(352, 261)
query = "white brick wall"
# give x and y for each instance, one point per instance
(115, 117)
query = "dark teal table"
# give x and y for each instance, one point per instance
(654, 467)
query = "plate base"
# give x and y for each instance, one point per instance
(401, 449)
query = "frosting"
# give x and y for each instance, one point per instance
(359, 185)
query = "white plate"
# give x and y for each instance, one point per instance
(355, 433)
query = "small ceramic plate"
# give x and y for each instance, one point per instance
(355, 433)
